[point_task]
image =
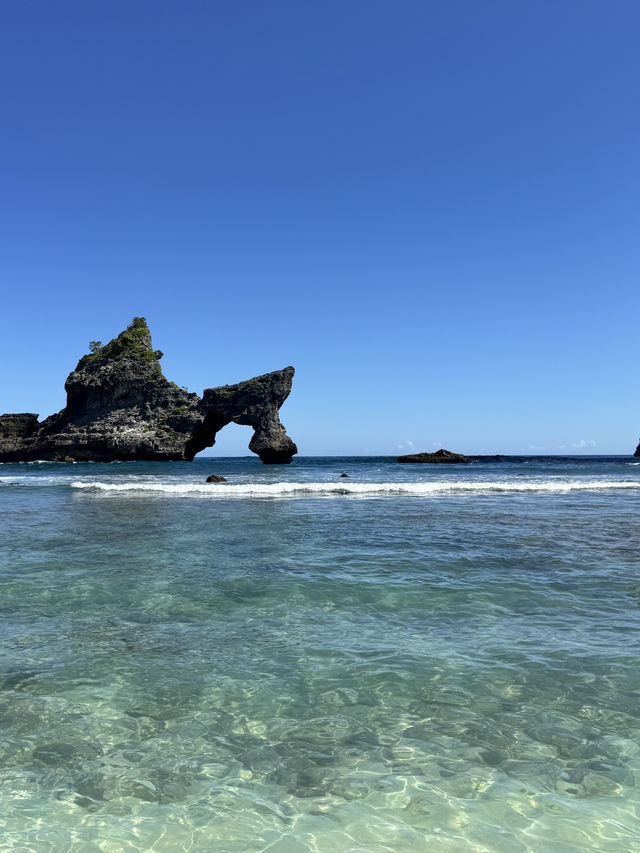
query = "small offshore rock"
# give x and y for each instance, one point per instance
(440, 456)
(344, 475)
(216, 478)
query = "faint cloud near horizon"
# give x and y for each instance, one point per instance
(407, 444)
(582, 444)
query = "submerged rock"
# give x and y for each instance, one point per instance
(440, 456)
(344, 475)
(121, 407)
(215, 478)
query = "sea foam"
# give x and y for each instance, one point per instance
(275, 490)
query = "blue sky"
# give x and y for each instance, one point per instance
(429, 209)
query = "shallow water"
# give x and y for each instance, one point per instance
(413, 658)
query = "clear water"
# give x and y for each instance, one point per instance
(433, 658)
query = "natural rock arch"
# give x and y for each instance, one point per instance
(253, 403)
(121, 407)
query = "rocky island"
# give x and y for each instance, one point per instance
(440, 456)
(121, 407)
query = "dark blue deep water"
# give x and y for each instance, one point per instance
(413, 658)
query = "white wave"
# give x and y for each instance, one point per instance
(288, 489)
(48, 462)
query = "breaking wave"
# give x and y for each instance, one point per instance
(274, 490)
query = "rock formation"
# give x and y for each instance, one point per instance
(637, 453)
(440, 456)
(121, 407)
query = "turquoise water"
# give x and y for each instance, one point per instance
(437, 658)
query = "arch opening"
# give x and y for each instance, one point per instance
(231, 440)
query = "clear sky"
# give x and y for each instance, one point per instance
(430, 209)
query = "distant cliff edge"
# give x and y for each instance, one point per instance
(121, 407)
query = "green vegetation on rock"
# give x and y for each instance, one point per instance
(134, 342)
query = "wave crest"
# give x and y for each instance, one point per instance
(223, 490)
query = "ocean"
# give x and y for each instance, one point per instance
(412, 658)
